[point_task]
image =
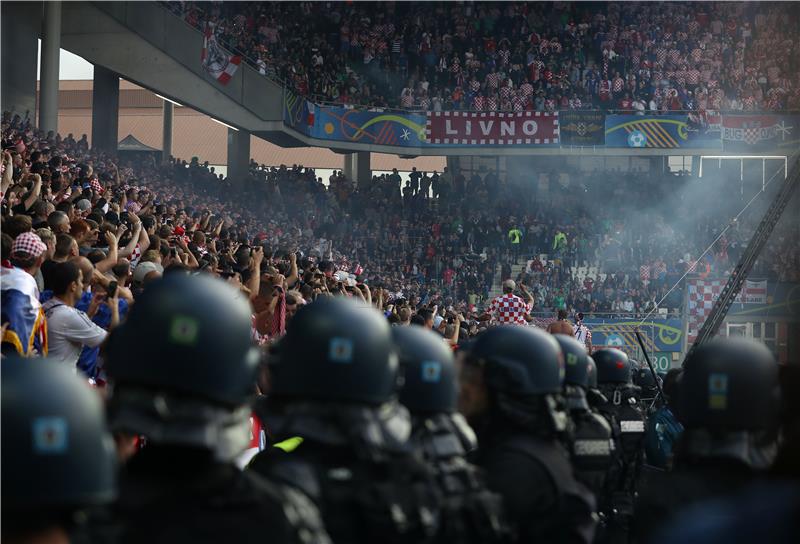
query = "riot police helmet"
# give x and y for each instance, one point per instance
(338, 350)
(429, 383)
(729, 384)
(519, 361)
(591, 373)
(187, 335)
(575, 361)
(613, 366)
(57, 454)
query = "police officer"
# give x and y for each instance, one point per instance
(623, 412)
(58, 459)
(727, 400)
(333, 383)
(663, 427)
(511, 385)
(470, 512)
(183, 368)
(593, 395)
(646, 381)
(591, 443)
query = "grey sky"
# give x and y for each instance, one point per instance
(70, 66)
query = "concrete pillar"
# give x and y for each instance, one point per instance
(51, 45)
(238, 153)
(166, 145)
(348, 167)
(21, 27)
(360, 166)
(105, 110)
(695, 165)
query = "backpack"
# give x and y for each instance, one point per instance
(663, 431)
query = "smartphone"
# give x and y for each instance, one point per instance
(112, 289)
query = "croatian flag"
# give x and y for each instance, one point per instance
(21, 309)
(217, 61)
(258, 442)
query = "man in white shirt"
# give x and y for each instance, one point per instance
(69, 329)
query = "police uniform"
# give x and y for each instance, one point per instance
(620, 407)
(727, 402)
(591, 444)
(519, 448)
(333, 377)
(186, 389)
(470, 512)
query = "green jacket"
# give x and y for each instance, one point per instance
(560, 240)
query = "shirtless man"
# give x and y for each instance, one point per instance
(562, 326)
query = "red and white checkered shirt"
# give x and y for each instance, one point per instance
(504, 55)
(509, 309)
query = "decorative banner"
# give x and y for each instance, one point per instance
(340, 124)
(663, 131)
(582, 127)
(299, 113)
(659, 334)
(492, 128)
(751, 133)
(753, 292)
(369, 126)
(781, 300)
(702, 294)
(663, 335)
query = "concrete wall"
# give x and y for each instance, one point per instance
(183, 43)
(146, 44)
(21, 27)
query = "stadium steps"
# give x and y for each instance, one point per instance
(497, 287)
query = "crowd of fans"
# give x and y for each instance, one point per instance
(633, 56)
(436, 243)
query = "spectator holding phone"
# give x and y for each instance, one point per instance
(68, 328)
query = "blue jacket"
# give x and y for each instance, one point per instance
(663, 431)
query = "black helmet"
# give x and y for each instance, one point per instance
(57, 453)
(575, 361)
(643, 378)
(429, 376)
(729, 383)
(612, 366)
(520, 360)
(189, 335)
(335, 349)
(591, 373)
